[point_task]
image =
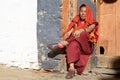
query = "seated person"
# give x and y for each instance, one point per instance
(78, 40)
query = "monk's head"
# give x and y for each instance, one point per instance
(82, 12)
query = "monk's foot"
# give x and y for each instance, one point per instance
(70, 74)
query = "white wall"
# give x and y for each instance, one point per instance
(18, 42)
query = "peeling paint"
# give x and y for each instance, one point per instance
(41, 13)
(48, 29)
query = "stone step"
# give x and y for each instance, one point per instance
(104, 61)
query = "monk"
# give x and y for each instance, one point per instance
(78, 40)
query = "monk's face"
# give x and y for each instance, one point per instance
(83, 13)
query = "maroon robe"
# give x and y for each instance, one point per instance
(78, 51)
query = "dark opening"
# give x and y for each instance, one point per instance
(109, 1)
(102, 50)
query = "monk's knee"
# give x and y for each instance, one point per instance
(83, 34)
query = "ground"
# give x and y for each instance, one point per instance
(12, 73)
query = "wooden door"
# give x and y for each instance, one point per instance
(109, 19)
(107, 29)
(108, 46)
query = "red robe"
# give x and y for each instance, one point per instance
(80, 48)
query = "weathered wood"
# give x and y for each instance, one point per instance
(118, 27)
(68, 11)
(109, 19)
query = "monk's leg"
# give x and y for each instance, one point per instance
(83, 39)
(86, 48)
(73, 52)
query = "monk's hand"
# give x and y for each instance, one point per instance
(77, 32)
(67, 35)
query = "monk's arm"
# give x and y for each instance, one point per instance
(91, 27)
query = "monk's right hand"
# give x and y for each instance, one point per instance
(77, 32)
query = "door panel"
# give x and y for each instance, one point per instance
(107, 29)
(118, 27)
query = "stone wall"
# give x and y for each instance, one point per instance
(48, 31)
